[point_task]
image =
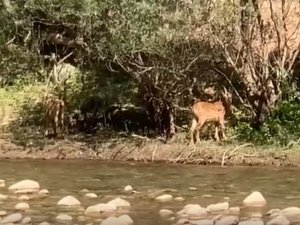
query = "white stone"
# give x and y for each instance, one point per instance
(3, 213)
(125, 219)
(64, 217)
(23, 198)
(164, 198)
(201, 222)
(22, 206)
(128, 189)
(12, 218)
(279, 220)
(251, 222)
(218, 207)
(234, 210)
(255, 199)
(111, 221)
(90, 195)
(100, 208)
(2, 183)
(292, 214)
(228, 220)
(194, 211)
(69, 201)
(44, 223)
(25, 186)
(179, 199)
(119, 203)
(44, 192)
(166, 213)
(3, 197)
(26, 220)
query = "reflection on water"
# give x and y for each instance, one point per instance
(279, 186)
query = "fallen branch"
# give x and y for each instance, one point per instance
(232, 151)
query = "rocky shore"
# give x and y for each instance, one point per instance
(118, 210)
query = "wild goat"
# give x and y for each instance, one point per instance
(54, 114)
(210, 112)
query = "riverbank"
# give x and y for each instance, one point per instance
(121, 147)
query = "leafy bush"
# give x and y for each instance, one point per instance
(281, 129)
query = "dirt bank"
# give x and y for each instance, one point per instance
(120, 147)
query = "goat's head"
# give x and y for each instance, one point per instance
(226, 98)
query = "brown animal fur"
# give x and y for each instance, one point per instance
(210, 112)
(54, 114)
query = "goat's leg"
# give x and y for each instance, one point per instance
(55, 123)
(198, 130)
(46, 125)
(217, 137)
(222, 125)
(192, 130)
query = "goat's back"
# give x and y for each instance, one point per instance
(208, 110)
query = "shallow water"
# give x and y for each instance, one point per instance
(107, 179)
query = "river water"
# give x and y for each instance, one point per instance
(197, 184)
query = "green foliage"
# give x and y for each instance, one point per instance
(281, 129)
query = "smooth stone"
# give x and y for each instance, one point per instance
(119, 203)
(2, 183)
(251, 222)
(69, 201)
(179, 199)
(121, 220)
(125, 219)
(25, 186)
(64, 217)
(255, 199)
(234, 210)
(228, 220)
(128, 189)
(279, 220)
(194, 211)
(43, 193)
(3, 213)
(164, 198)
(193, 188)
(111, 221)
(291, 213)
(218, 207)
(26, 220)
(44, 223)
(22, 206)
(84, 190)
(90, 195)
(24, 198)
(166, 213)
(3, 197)
(12, 218)
(100, 208)
(201, 222)
(206, 196)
